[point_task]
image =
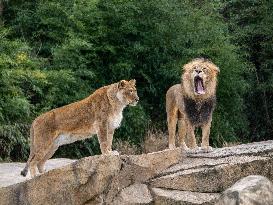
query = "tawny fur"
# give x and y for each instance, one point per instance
(178, 112)
(100, 114)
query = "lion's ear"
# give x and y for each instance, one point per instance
(216, 69)
(132, 82)
(122, 84)
(187, 67)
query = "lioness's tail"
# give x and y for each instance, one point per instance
(31, 155)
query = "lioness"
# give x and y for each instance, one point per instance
(100, 113)
(191, 103)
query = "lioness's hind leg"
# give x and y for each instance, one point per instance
(38, 158)
(48, 155)
(34, 162)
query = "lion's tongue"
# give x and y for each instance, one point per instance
(200, 89)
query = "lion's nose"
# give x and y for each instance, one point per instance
(198, 71)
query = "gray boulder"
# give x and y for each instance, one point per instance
(251, 190)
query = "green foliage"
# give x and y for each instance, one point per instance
(14, 142)
(57, 52)
(251, 23)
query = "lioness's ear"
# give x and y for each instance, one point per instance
(121, 84)
(132, 82)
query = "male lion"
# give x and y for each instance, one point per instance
(100, 113)
(191, 103)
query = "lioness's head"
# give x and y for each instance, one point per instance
(127, 92)
(199, 78)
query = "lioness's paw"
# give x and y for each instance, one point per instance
(206, 149)
(115, 152)
(111, 153)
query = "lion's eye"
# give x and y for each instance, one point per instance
(204, 68)
(131, 91)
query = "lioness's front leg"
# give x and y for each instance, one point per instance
(105, 137)
(205, 137)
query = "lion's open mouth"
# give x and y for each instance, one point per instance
(199, 85)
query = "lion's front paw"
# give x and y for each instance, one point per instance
(171, 146)
(206, 149)
(193, 150)
(185, 147)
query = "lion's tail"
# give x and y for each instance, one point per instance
(31, 155)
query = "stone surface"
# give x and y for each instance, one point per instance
(10, 172)
(251, 190)
(256, 148)
(140, 168)
(91, 180)
(175, 197)
(198, 172)
(166, 177)
(75, 183)
(134, 194)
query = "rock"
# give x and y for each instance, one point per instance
(91, 180)
(198, 172)
(256, 148)
(134, 194)
(251, 190)
(175, 197)
(140, 168)
(10, 172)
(165, 177)
(76, 183)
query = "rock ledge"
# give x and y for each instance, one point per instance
(165, 177)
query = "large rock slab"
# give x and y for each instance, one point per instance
(175, 197)
(251, 190)
(198, 172)
(10, 172)
(91, 180)
(134, 194)
(256, 148)
(76, 183)
(166, 177)
(141, 168)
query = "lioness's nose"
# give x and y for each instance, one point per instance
(137, 98)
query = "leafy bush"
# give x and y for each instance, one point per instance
(57, 52)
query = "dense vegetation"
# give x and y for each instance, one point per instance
(53, 52)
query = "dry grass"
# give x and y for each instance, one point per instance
(124, 147)
(155, 140)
